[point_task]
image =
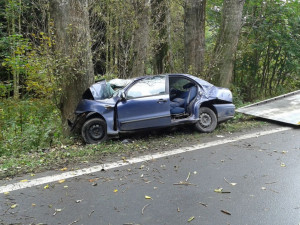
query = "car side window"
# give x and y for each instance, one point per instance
(147, 87)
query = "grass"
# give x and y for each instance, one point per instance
(31, 141)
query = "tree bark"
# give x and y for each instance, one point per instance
(73, 51)
(141, 35)
(223, 61)
(194, 36)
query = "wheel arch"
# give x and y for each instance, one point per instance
(208, 104)
(91, 115)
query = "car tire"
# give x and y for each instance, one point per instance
(94, 131)
(207, 120)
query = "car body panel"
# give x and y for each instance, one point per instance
(147, 112)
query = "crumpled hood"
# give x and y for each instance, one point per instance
(98, 91)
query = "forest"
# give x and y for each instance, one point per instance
(52, 50)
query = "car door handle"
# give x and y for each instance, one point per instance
(161, 101)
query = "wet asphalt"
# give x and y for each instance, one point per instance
(259, 179)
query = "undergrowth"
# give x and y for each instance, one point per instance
(27, 126)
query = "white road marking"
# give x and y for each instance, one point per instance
(93, 169)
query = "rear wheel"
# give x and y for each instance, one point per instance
(207, 120)
(94, 131)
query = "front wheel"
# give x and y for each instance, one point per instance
(94, 131)
(207, 120)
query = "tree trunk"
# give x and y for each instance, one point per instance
(226, 46)
(141, 34)
(160, 15)
(194, 36)
(73, 51)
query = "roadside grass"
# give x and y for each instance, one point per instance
(31, 140)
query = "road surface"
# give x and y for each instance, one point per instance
(253, 180)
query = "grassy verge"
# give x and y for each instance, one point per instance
(31, 141)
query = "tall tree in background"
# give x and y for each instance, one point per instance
(194, 36)
(73, 47)
(224, 53)
(162, 56)
(141, 37)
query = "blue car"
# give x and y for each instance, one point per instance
(151, 102)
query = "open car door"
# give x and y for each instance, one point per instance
(146, 105)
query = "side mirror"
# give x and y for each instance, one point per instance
(123, 96)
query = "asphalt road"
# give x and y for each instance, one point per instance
(260, 178)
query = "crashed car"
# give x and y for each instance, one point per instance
(151, 102)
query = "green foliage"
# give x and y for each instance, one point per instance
(269, 53)
(41, 81)
(28, 125)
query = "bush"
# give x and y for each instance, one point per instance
(28, 125)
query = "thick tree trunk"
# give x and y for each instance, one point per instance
(222, 63)
(141, 34)
(194, 36)
(73, 49)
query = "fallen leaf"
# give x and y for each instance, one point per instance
(6, 193)
(14, 206)
(66, 186)
(191, 218)
(23, 181)
(64, 169)
(46, 187)
(33, 204)
(284, 152)
(219, 190)
(56, 211)
(32, 175)
(116, 190)
(93, 180)
(147, 197)
(61, 181)
(282, 165)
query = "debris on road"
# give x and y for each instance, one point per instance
(191, 218)
(144, 208)
(226, 212)
(233, 184)
(201, 203)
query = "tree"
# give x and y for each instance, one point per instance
(141, 37)
(224, 53)
(73, 50)
(194, 36)
(160, 18)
